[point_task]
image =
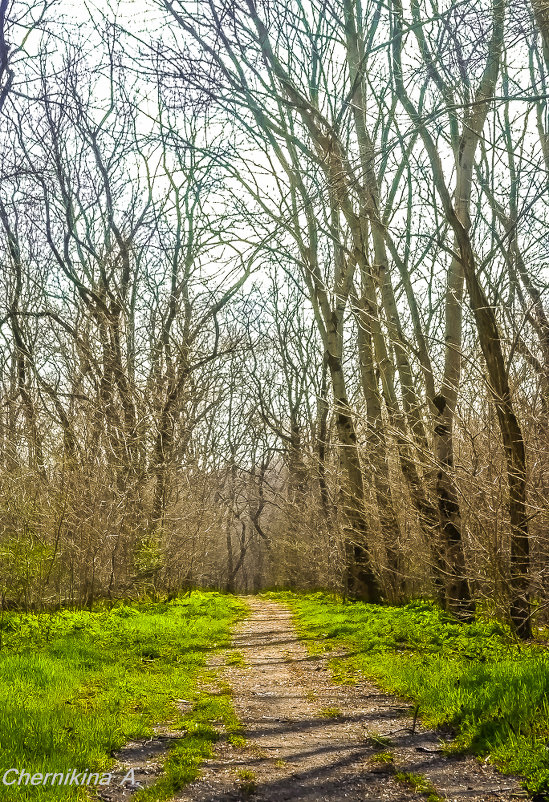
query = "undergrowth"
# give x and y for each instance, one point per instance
(77, 685)
(473, 678)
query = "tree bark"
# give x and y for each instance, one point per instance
(360, 580)
(377, 451)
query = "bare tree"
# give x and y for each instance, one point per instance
(456, 211)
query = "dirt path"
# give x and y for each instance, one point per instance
(309, 739)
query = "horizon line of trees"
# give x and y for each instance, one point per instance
(275, 282)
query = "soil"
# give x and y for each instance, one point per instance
(312, 740)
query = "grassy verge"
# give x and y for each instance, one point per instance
(183, 762)
(473, 678)
(74, 686)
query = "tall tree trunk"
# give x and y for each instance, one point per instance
(229, 584)
(360, 580)
(489, 338)
(511, 435)
(541, 14)
(457, 214)
(321, 442)
(377, 450)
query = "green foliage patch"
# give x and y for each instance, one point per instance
(183, 762)
(474, 678)
(420, 784)
(76, 685)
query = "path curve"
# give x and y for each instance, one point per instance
(310, 740)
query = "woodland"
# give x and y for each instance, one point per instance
(273, 306)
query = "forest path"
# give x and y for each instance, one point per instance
(309, 739)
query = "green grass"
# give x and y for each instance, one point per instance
(474, 678)
(329, 712)
(383, 758)
(235, 659)
(378, 741)
(74, 686)
(419, 784)
(183, 762)
(247, 782)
